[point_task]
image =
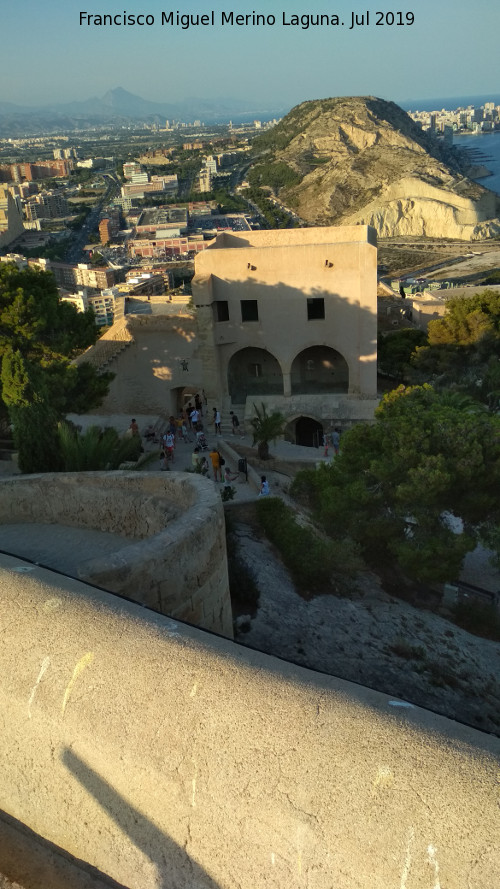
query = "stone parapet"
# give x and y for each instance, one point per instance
(164, 757)
(173, 557)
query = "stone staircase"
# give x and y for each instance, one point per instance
(108, 347)
(226, 424)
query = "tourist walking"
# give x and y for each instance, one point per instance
(169, 445)
(222, 466)
(217, 421)
(236, 429)
(336, 441)
(214, 459)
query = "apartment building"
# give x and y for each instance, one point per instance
(103, 303)
(71, 277)
(46, 205)
(109, 226)
(11, 223)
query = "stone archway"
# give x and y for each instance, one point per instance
(306, 431)
(319, 369)
(253, 372)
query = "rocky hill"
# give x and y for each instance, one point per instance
(364, 160)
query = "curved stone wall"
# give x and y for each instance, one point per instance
(169, 758)
(173, 557)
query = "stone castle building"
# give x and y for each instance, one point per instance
(289, 318)
(284, 318)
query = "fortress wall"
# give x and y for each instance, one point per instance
(168, 757)
(150, 368)
(173, 557)
(336, 408)
(128, 504)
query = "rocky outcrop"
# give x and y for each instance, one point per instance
(364, 160)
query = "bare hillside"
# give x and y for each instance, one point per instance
(364, 160)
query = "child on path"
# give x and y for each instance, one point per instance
(264, 487)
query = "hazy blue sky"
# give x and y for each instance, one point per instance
(452, 49)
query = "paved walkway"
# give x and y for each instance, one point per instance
(282, 450)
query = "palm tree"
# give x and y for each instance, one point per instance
(266, 427)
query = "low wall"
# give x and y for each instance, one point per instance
(327, 408)
(173, 557)
(168, 758)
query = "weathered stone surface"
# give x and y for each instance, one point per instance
(172, 527)
(169, 757)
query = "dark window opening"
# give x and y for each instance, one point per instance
(222, 310)
(249, 310)
(315, 308)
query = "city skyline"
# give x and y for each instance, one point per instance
(437, 54)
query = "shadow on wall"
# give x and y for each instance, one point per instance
(326, 343)
(174, 866)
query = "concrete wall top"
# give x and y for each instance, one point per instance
(168, 757)
(295, 237)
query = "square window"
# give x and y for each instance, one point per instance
(222, 310)
(315, 308)
(249, 310)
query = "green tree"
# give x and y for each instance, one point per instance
(463, 350)
(467, 320)
(33, 418)
(401, 485)
(38, 337)
(266, 428)
(396, 349)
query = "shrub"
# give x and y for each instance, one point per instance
(482, 620)
(95, 449)
(404, 649)
(311, 559)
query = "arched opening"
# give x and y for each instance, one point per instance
(319, 369)
(253, 372)
(305, 431)
(182, 396)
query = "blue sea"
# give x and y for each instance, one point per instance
(486, 151)
(449, 103)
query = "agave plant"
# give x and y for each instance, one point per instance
(95, 449)
(266, 427)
